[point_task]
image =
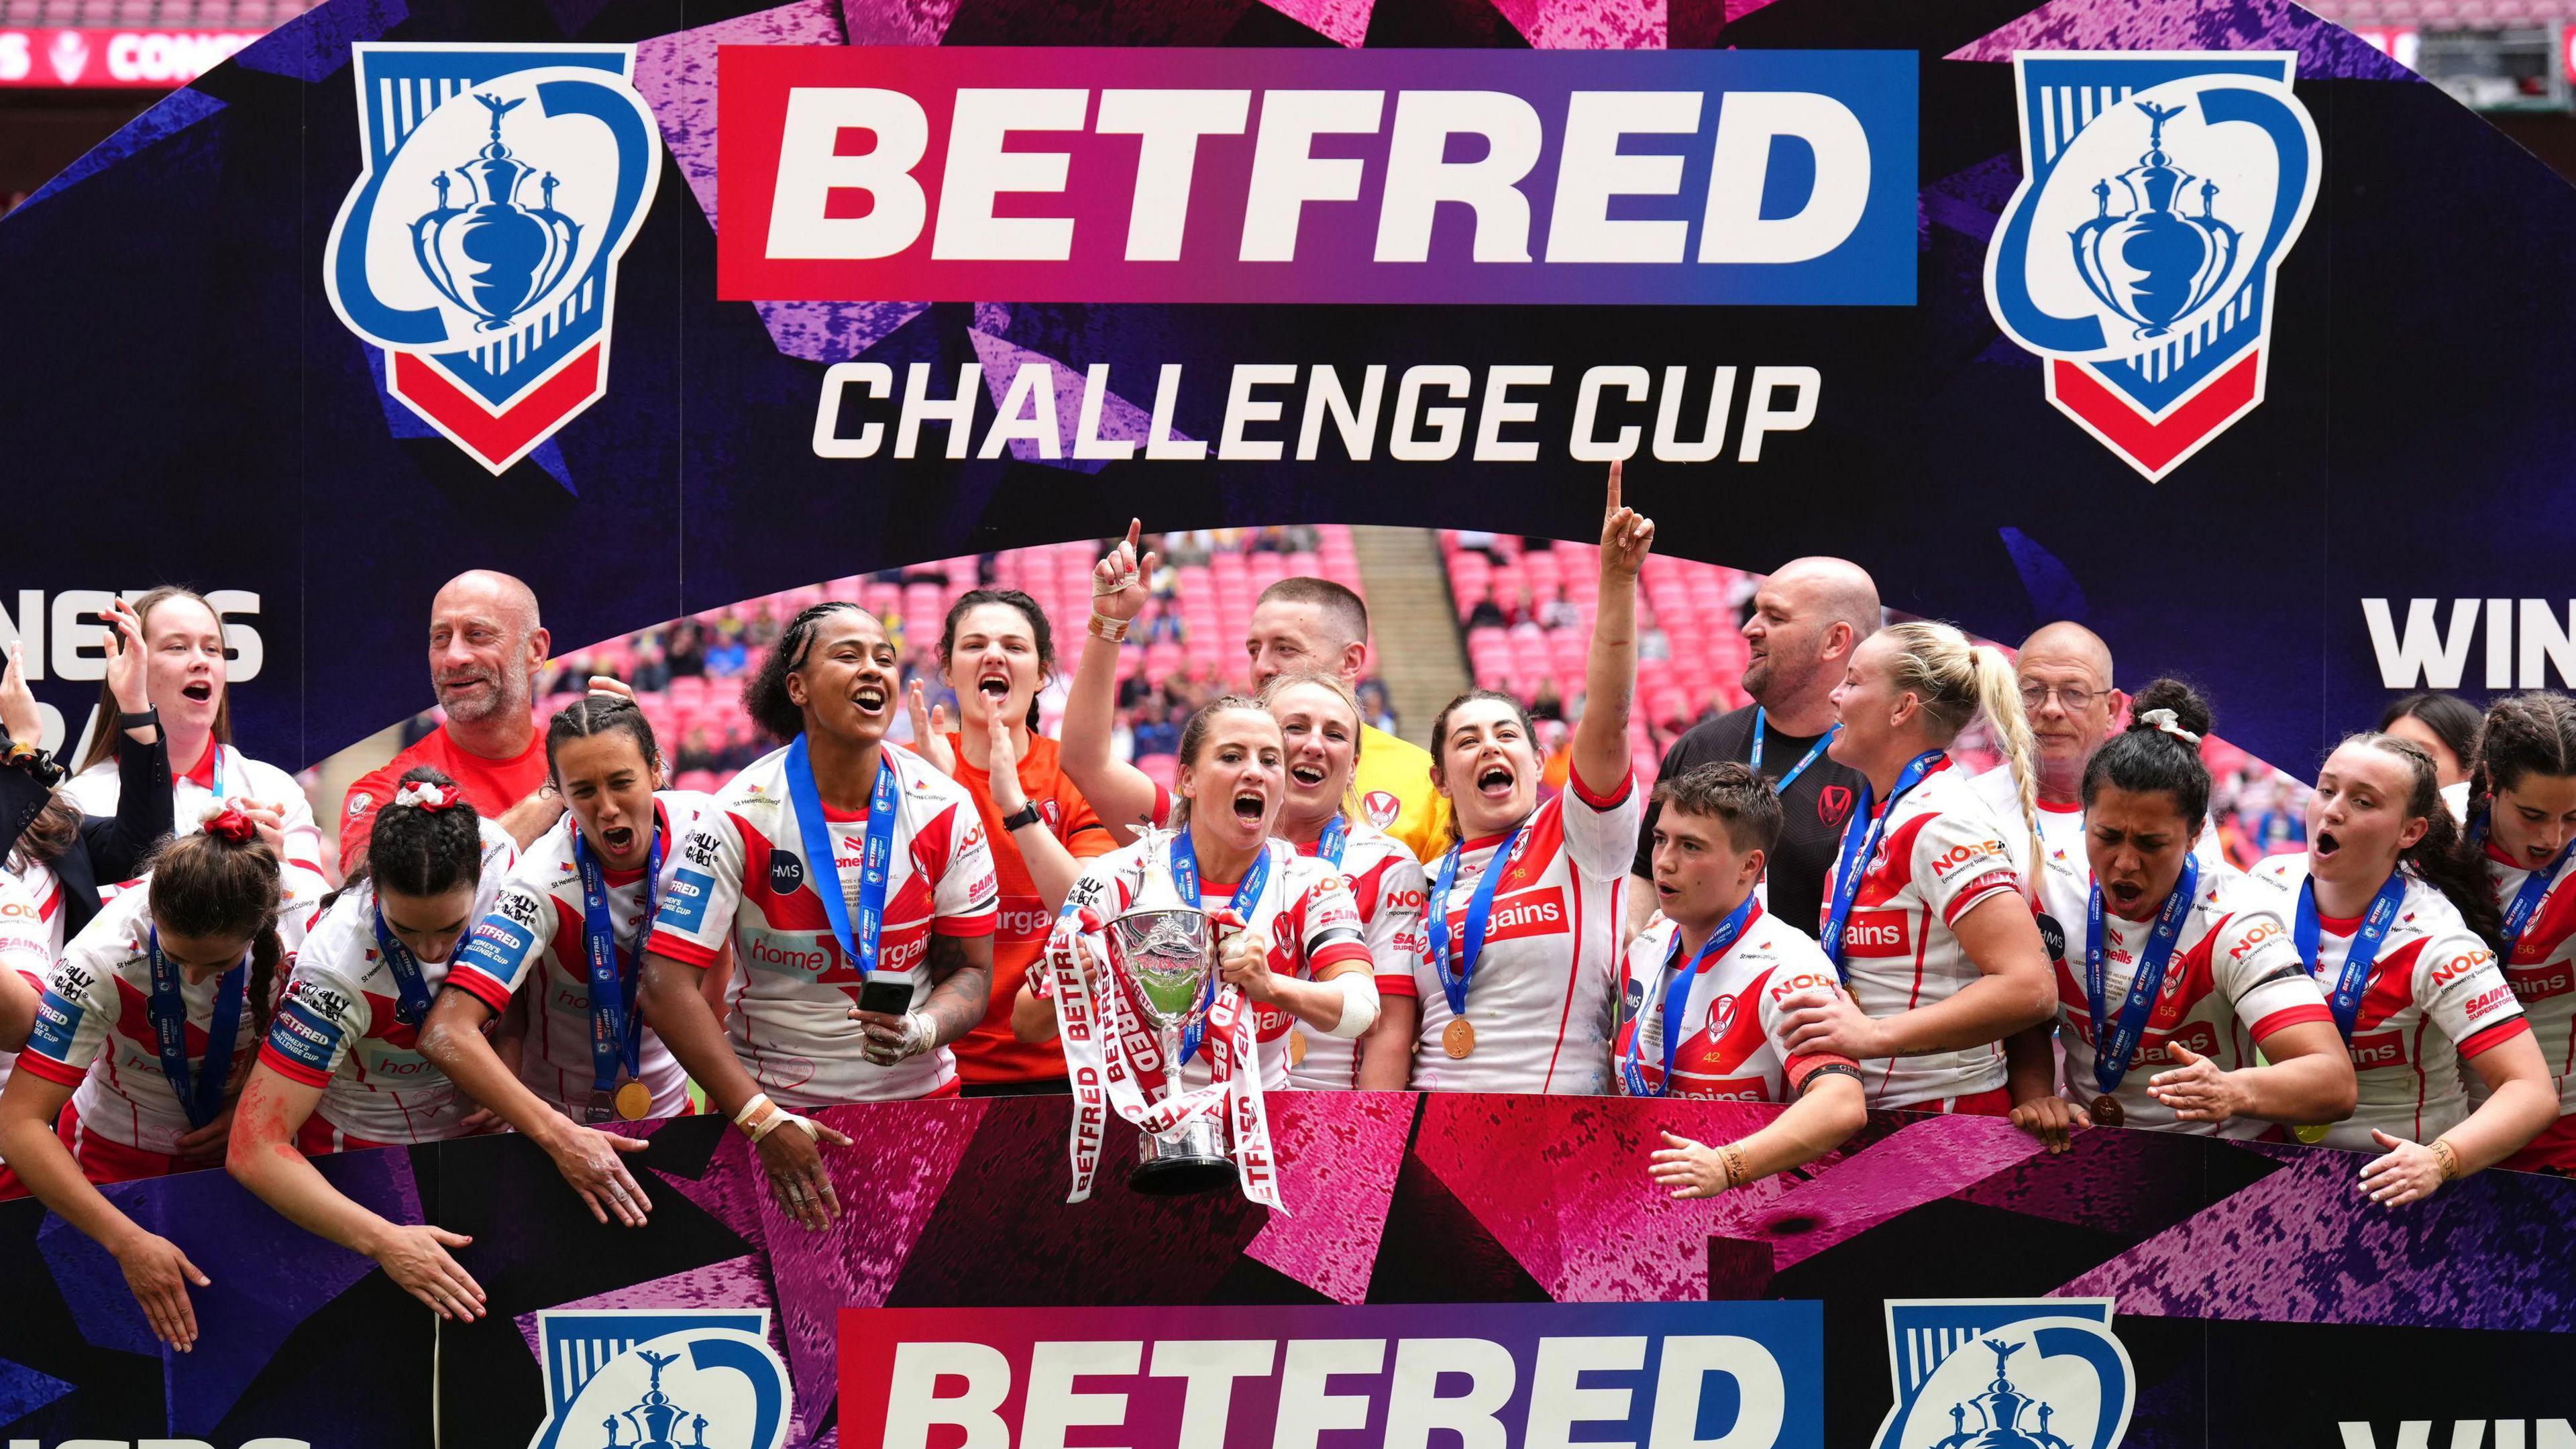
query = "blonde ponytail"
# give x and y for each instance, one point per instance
(1955, 681)
(1999, 695)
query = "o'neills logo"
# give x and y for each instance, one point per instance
(1876, 933)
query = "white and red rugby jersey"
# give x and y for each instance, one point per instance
(2435, 998)
(223, 773)
(339, 1027)
(2541, 970)
(1942, 855)
(1730, 1023)
(1387, 888)
(2234, 980)
(30, 933)
(746, 875)
(1542, 997)
(1305, 913)
(531, 941)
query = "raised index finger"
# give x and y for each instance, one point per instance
(1613, 505)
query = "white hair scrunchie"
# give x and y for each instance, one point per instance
(2167, 721)
(426, 795)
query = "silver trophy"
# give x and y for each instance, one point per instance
(1167, 959)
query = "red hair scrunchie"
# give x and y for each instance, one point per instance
(232, 823)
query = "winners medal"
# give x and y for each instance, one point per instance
(1296, 1046)
(1458, 1039)
(2107, 1111)
(2311, 1133)
(634, 1101)
(2117, 1034)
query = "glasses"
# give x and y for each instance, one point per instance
(2070, 697)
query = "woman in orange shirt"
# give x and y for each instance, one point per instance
(998, 653)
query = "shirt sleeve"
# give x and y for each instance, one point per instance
(303, 837)
(2258, 972)
(1394, 932)
(1601, 823)
(317, 1023)
(1083, 833)
(1328, 923)
(26, 943)
(497, 957)
(968, 898)
(1960, 860)
(79, 1006)
(2459, 985)
(1788, 979)
(358, 816)
(696, 913)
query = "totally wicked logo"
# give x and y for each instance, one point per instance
(2160, 193)
(479, 246)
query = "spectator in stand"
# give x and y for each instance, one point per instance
(1479, 541)
(761, 629)
(1806, 621)
(1654, 643)
(684, 653)
(697, 752)
(2445, 725)
(1162, 626)
(1547, 702)
(652, 674)
(1377, 710)
(1560, 612)
(726, 655)
(1487, 613)
(485, 648)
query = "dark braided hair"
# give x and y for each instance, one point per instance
(2526, 734)
(1039, 629)
(2453, 721)
(212, 884)
(2143, 758)
(764, 695)
(422, 852)
(601, 714)
(2442, 858)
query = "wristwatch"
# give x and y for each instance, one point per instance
(148, 715)
(22, 755)
(1027, 814)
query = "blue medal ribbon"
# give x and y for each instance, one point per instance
(1335, 839)
(1480, 907)
(2345, 1000)
(616, 1027)
(1761, 721)
(1247, 899)
(2115, 1042)
(1859, 843)
(201, 1097)
(1677, 995)
(859, 941)
(2535, 887)
(411, 986)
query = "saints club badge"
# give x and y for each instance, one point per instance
(2160, 193)
(646, 1379)
(2006, 1373)
(479, 247)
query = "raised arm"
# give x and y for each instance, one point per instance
(1119, 792)
(452, 1038)
(1601, 755)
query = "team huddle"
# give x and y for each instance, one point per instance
(1816, 905)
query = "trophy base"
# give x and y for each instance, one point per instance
(1194, 1161)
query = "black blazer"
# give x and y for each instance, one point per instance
(109, 848)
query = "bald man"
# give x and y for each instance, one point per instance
(485, 647)
(1806, 620)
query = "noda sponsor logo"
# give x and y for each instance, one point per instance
(786, 872)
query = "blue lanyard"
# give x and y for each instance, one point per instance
(216, 779)
(1247, 899)
(202, 1097)
(1336, 837)
(1480, 907)
(616, 1027)
(1761, 719)
(2115, 1043)
(411, 987)
(859, 944)
(2346, 998)
(1676, 995)
(1859, 843)
(2535, 887)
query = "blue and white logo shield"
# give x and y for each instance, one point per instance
(2047, 1373)
(479, 246)
(2160, 193)
(646, 1379)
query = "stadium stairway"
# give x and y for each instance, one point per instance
(1415, 621)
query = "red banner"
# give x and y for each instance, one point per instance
(100, 58)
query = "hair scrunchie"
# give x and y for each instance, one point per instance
(429, 795)
(2167, 721)
(232, 823)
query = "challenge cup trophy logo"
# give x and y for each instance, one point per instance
(2075, 1389)
(495, 258)
(661, 1379)
(2160, 193)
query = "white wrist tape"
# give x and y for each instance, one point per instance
(776, 1119)
(751, 1109)
(1359, 1004)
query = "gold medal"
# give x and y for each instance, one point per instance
(634, 1100)
(1296, 1047)
(1458, 1039)
(2311, 1133)
(2107, 1111)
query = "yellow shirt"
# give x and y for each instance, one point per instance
(1393, 783)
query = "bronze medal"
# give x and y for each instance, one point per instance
(634, 1101)
(1458, 1039)
(600, 1109)
(2311, 1133)
(1296, 1047)
(2107, 1111)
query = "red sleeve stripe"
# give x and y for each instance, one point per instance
(275, 1061)
(1798, 1069)
(2489, 1038)
(1594, 798)
(681, 949)
(1397, 984)
(2290, 1016)
(1992, 883)
(977, 925)
(1337, 952)
(480, 986)
(35, 1063)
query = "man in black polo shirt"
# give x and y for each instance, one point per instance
(1806, 620)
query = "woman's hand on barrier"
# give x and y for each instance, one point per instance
(2198, 1091)
(2052, 1119)
(160, 1274)
(593, 1163)
(2408, 1172)
(793, 1154)
(1688, 1168)
(416, 1258)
